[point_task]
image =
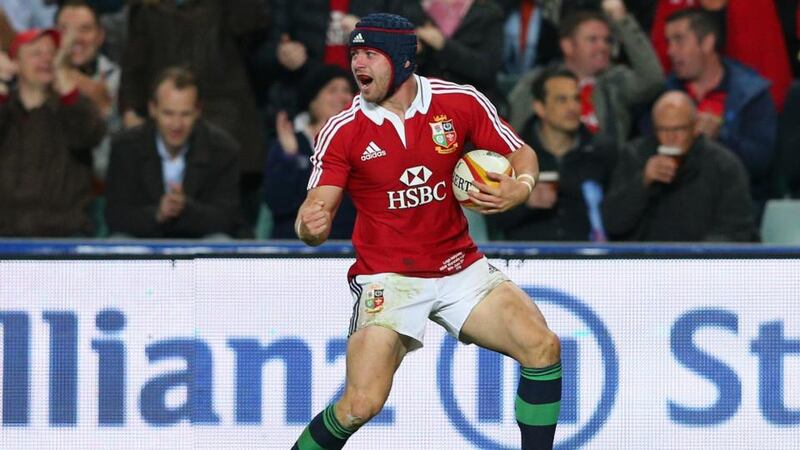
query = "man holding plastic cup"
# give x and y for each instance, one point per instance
(678, 185)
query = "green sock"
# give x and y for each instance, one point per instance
(324, 433)
(538, 405)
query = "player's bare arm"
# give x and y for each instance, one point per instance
(314, 218)
(511, 191)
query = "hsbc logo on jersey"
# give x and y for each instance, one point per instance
(418, 192)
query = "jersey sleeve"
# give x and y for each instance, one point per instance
(489, 130)
(330, 165)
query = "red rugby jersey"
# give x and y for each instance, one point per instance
(398, 174)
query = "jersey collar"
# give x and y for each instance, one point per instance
(422, 101)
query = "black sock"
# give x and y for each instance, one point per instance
(538, 405)
(324, 433)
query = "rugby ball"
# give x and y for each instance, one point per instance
(473, 166)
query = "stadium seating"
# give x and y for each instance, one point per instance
(781, 222)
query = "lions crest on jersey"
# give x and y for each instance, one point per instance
(444, 134)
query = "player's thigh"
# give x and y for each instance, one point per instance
(373, 355)
(509, 322)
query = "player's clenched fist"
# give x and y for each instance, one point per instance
(313, 223)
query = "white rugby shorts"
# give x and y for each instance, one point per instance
(403, 304)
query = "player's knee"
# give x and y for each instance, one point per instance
(541, 350)
(360, 408)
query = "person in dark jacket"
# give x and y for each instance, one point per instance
(785, 174)
(177, 175)
(734, 103)
(750, 33)
(305, 34)
(210, 38)
(678, 185)
(460, 42)
(47, 131)
(530, 40)
(326, 91)
(556, 209)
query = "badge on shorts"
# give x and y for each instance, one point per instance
(374, 300)
(444, 134)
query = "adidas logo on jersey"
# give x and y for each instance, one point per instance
(358, 39)
(372, 151)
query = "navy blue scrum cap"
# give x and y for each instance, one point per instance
(392, 35)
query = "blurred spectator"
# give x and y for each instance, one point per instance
(177, 175)
(209, 38)
(47, 131)
(460, 41)
(326, 91)
(103, 6)
(27, 14)
(305, 34)
(530, 40)
(569, 7)
(678, 185)
(96, 75)
(749, 33)
(7, 31)
(568, 155)
(551, 9)
(608, 91)
(786, 170)
(644, 11)
(789, 17)
(313, 30)
(554, 10)
(733, 101)
(115, 23)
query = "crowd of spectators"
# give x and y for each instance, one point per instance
(653, 120)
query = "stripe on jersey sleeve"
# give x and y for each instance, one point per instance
(510, 138)
(324, 138)
(503, 130)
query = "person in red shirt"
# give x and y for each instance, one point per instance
(415, 259)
